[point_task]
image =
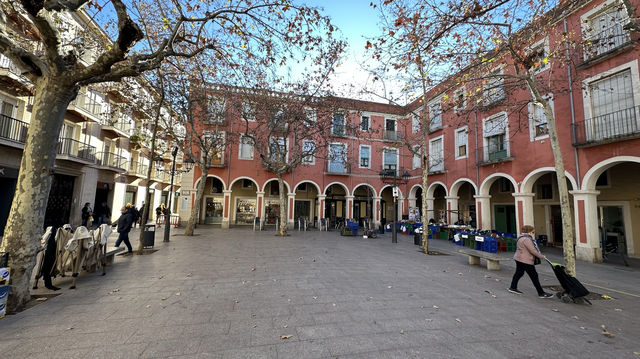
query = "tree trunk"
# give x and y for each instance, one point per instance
(195, 208)
(26, 218)
(283, 207)
(425, 218)
(568, 233)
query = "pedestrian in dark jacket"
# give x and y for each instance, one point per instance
(124, 224)
(86, 213)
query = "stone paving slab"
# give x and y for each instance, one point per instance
(234, 293)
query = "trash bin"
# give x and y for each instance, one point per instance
(417, 238)
(149, 235)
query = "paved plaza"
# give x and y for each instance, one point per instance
(241, 294)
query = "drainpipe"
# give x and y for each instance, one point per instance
(573, 115)
(475, 123)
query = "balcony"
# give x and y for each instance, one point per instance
(13, 132)
(391, 135)
(138, 169)
(76, 151)
(600, 45)
(493, 154)
(120, 128)
(89, 108)
(112, 161)
(216, 122)
(11, 76)
(338, 130)
(338, 168)
(615, 126)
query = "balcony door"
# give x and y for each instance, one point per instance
(337, 158)
(613, 110)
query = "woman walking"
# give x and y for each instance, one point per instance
(526, 254)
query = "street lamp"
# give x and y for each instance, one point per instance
(188, 165)
(390, 176)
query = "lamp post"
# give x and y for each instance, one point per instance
(390, 176)
(188, 163)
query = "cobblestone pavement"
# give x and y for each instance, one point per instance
(242, 294)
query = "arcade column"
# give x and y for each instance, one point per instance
(226, 214)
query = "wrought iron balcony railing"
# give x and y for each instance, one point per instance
(74, 149)
(13, 130)
(609, 127)
(493, 154)
(392, 135)
(110, 159)
(338, 167)
(605, 40)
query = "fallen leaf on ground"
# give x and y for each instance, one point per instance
(458, 320)
(178, 293)
(583, 328)
(428, 319)
(287, 336)
(42, 299)
(189, 275)
(436, 307)
(315, 297)
(607, 334)
(164, 298)
(148, 305)
(236, 301)
(70, 328)
(460, 273)
(284, 326)
(487, 276)
(390, 287)
(494, 296)
(253, 269)
(497, 280)
(115, 290)
(402, 332)
(636, 353)
(606, 296)
(575, 317)
(555, 310)
(334, 304)
(618, 310)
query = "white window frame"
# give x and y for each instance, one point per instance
(587, 18)
(532, 125)
(416, 161)
(485, 143)
(242, 138)
(305, 159)
(360, 156)
(544, 45)
(487, 91)
(395, 123)
(432, 114)
(252, 106)
(216, 102)
(368, 117)
(385, 149)
(635, 84)
(12, 102)
(286, 144)
(415, 124)
(344, 124)
(464, 129)
(346, 154)
(441, 164)
(311, 115)
(456, 93)
(221, 134)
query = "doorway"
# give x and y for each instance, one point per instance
(556, 224)
(505, 216)
(59, 205)
(611, 223)
(213, 210)
(302, 208)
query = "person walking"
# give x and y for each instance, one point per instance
(87, 212)
(124, 224)
(526, 256)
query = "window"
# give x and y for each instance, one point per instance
(415, 124)
(274, 188)
(248, 111)
(417, 154)
(538, 54)
(216, 111)
(603, 180)
(213, 142)
(494, 132)
(436, 155)
(390, 158)
(311, 117)
(308, 151)
(8, 108)
(611, 105)
(538, 122)
(545, 191)
(603, 29)
(338, 125)
(364, 123)
(504, 185)
(390, 124)
(435, 114)
(247, 183)
(460, 100)
(278, 149)
(337, 158)
(246, 148)
(461, 142)
(365, 156)
(493, 90)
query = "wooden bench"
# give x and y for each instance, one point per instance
(493, 260)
